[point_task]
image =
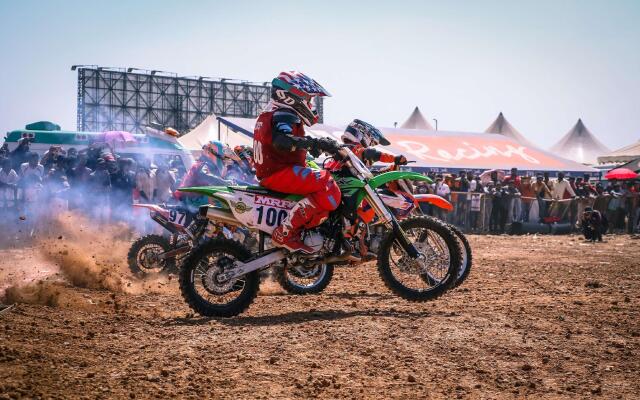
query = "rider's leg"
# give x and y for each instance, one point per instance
(322, 196)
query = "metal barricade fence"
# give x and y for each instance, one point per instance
(484, 213)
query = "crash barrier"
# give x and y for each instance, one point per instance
(486, 213)
(473, 212)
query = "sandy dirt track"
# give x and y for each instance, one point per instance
(546, 317)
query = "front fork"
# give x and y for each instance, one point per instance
(391, 222)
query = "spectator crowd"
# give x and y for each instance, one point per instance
(103, 184)
(491, 202)
(95, 180)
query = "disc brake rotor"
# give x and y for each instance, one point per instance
(420, 265)
(210, 278)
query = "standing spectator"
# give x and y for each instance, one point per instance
(100, 182)
(513, 181)
(175, 171)
(513, 204)
(462, 186)
(528, 197)
(4, 151)
(31, 171)
(144, 182)
(500, 204)
(20, 154)
(561, 191)
(8, 181)
(423, 188)
(542, 193)
(123, 182)
(441, 189)
(31, 174)
(51, 157)
(164, 184)
(548, 181)
(629, 206)
(615, 208)
(475, 202)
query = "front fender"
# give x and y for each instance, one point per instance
(435, 200)
(381, 179)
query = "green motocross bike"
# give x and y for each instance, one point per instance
(418, 258)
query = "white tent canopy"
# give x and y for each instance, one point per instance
(201, 134)
(502, 127)
(622, 155)
(416, 121)
(580, 145)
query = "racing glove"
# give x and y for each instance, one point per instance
(400, 160)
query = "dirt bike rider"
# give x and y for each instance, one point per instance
(361, 136)
(210, 169)
(243, 171)
(280, 148)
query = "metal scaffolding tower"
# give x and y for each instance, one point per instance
(121, 99)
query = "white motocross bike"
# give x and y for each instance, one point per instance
(418, 258)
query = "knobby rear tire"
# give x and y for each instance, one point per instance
(136, 247)
(201, 305)
(454, 249)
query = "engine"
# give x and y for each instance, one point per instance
(315, 240)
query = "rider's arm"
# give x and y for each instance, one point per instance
(282, 136)
(283, 139)
(373, 155)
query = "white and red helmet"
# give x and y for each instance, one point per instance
(295, 90)
(360, 132)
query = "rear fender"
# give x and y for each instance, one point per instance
(151, 207)
(435, 200)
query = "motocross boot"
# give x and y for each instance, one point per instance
(289, 235)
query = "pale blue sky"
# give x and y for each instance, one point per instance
(544, 64)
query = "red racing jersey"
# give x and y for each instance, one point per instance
(269, 160)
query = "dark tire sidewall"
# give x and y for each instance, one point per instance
(199, 304)
(384, 264)
(132, 256)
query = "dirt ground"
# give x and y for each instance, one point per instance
(539, 317)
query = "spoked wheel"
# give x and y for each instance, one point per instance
(304, 279)
(201, 287)
(143, 257)
(431, 274)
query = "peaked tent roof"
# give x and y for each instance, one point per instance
(502, 127)
(580, 145)
(416, 121)
(205, 131)
(436, 151)
(624, 154)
